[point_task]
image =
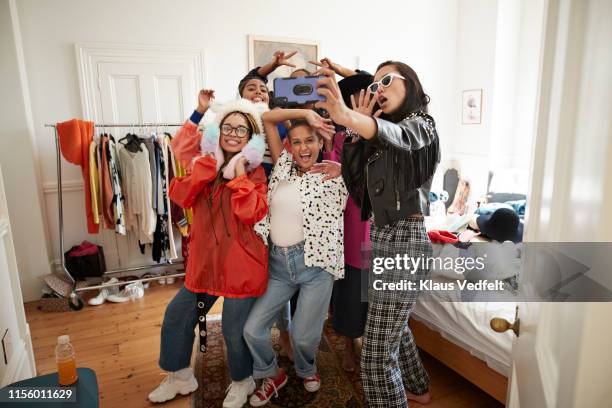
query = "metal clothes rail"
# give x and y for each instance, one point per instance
(74, 300)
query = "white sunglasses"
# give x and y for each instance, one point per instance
(384, 81)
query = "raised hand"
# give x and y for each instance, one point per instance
(328, 87)
(325, 63)
(365, 104)
(205, 97)
(322, 126)
(241, 166)
(337, 68)
(281, 58)
(330, 169)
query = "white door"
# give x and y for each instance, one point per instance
(562, 358)
(125, 85)
(16, 354)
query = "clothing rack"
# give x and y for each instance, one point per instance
(75, 302)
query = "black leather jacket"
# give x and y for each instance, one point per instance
(390, 175)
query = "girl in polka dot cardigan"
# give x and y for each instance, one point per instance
(305, 235)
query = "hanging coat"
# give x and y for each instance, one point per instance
(75, 137)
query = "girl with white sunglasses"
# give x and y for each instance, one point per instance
(390, 169)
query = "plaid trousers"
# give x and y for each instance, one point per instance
(390, 360)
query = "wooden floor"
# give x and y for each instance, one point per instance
(120, 342)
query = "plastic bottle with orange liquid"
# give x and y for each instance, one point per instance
(66, 361)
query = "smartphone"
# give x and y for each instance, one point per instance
(291, 92)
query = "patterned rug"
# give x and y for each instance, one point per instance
(339, 389)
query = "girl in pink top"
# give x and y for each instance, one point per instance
(349, 312)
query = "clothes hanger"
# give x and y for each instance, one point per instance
(131, 141)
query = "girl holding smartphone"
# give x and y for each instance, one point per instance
(390, 169)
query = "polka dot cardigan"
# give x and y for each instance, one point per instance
(323, 204)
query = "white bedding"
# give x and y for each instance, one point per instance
(467, 325)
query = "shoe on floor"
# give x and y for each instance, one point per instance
(133, 291)
(170, 281)
(100, 299)
(312, 383)
(105, 292)
(172, 385)
(269, 388)
(118, 298)
(238, 392)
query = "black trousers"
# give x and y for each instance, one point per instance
(349, 312)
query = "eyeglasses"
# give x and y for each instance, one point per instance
(240, 131)
(384, 81)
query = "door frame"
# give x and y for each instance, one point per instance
(90, 54)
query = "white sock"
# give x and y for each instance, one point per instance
(183, 374)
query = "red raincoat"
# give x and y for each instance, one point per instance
(226, 256)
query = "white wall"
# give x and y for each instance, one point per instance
(419, 33)
(476, 35)
(498, 43)
(18, 158)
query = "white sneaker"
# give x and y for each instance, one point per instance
(161, 281)
(118, 298)
(170, 281)
(105, 293)
(100, 299)
(133, 290)
(238, 392)
(172, 385)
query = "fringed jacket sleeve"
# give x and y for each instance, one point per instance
(414, 148)
(409, 134)
(249, 196)
(184, 190)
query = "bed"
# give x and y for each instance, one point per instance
(458, 334)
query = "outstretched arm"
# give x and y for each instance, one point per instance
(339, 112)
(186, 143)
(337, 68)
(279, 58)
(406, 135)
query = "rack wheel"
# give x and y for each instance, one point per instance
(75, 302)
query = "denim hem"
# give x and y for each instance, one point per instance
(169, 368)
(306, 373)
(268, 372)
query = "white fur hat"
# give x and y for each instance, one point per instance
(240, 105)
(254, 149)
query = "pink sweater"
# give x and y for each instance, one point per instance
(356, 232)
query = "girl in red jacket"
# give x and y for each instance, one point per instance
(226, 187)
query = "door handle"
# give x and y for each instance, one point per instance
(501, 325)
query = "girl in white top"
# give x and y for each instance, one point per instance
(305, 230)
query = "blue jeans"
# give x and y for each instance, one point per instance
(177, 333)
(288, 273)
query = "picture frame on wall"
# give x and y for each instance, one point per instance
(471, 107)
(261, 50)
